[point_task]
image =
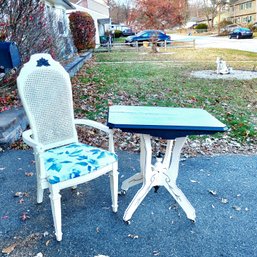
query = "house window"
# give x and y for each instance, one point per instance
(60, 15)
(60, 27)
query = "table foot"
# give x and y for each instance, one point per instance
(181, 199)
(138, 198)
(128, 222)
(156, 188)
(122, 192)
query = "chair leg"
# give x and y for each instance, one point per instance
(55, 198)
(40, 193)
(114, 188)
(39, 169)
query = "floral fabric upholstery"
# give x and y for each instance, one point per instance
(75, 160)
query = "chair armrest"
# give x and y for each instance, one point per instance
(99, 126)
(93, 124)
(26, 136)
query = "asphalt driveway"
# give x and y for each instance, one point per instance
(221, 188)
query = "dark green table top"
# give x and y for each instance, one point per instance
(165, 122)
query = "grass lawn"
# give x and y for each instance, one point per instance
(164, 80)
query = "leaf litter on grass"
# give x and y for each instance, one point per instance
(96, 87)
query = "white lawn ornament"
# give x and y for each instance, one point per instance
(222, 67)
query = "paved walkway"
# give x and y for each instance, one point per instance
(222, 189)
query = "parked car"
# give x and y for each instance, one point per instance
(229, 28)
(128, 32)
(241, 33)
(147, 35)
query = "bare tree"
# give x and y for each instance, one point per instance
(27, 23)
(211, 8)
(196, 9)
(120, 10)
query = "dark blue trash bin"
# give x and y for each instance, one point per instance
(9, 55)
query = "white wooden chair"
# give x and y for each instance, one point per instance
(61, 161)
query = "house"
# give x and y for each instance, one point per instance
(56, 23)
(243, 11)
(99, 11)
(58, 8)
(119, 26)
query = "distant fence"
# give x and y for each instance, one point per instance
(164, 46)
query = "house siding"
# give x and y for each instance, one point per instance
(244, 11)
(61, 24)
(98, 7)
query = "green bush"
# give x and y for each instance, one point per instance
(117, 33)
(252, 27)
(201, 26)
(83, 30)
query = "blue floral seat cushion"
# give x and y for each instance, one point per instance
(75, 160)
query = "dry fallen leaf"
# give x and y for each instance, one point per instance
(156, 253)
(237, 208)
(24, 216)
(9, 249)
(194, 181)
(133, 236)
(47, 242)
(18, 194)
(224, 200)
(21, 201)
(39, 255)
(21, 194)
(29, 174)
(212, 192)
(174, 207)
